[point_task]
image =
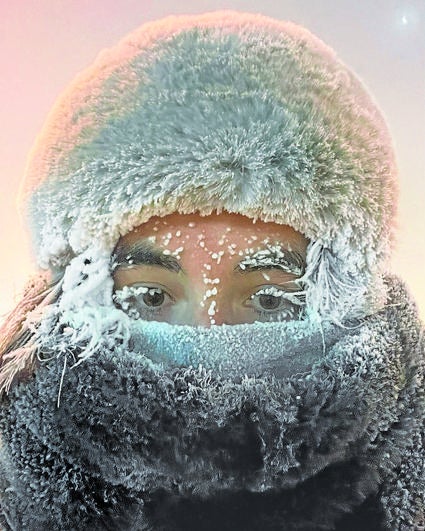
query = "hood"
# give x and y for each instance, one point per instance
(221, 111)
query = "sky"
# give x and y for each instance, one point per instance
(45, 43)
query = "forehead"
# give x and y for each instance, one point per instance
(214, 229)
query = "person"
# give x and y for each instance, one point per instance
(210, 270)
(215, 339)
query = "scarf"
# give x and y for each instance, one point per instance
(325, 436)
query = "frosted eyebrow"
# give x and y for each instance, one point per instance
(285, 260)
(143, 252)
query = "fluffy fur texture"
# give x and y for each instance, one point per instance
(136, 446)
(115, 429)
(230, 111)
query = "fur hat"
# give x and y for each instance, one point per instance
(221, 111)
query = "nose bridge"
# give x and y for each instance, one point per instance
(203, 318)
(206, 314)
(208, 306)
(208, 289)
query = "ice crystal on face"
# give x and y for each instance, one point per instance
(178, 251)
(271, 290)
(211, 292)
(211, 281)
(211, 309)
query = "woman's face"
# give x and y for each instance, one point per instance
(204, 270)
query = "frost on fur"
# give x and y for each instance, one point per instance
(144, 426)
(291, 137)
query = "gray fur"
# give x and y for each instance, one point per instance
(230, 111)
(125, 432)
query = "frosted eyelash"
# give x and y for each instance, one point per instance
(293, 297)
(269, 290)
(121, 298)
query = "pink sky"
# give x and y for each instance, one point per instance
(46, 43)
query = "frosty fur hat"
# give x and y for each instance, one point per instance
(221, 111)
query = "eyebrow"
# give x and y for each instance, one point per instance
(143, 252)
(272, 258)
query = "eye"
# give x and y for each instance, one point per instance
(274, 303)
(142, 301)
(267, 301)
(154, 297)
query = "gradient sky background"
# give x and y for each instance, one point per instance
(45, 43)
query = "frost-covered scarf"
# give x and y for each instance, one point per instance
(326, 435)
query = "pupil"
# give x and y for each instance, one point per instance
(153, 298)
(269, 302)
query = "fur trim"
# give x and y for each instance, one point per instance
(222, 111)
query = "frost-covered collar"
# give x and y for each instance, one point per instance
(151, 434)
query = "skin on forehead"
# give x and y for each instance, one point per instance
(215, 230)
(208, 250)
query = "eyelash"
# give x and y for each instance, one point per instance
(157, 311)
(152, 311)
(268, 290)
